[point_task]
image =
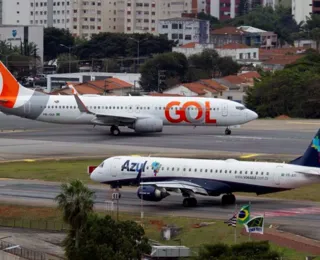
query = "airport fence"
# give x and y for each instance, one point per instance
(34, 224)
(25, 253)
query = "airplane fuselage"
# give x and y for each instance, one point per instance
(172, 110)
(215, 176)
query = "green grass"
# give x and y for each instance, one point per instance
(216, 231)
(65, 170)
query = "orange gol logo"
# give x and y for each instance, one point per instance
(184, 113)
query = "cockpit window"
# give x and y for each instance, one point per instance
(101, 165)
(240, 107)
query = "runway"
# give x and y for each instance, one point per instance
(289, 213)
(270, 139)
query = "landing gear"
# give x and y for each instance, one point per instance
(228, 199)
(228, 131)
(115, 130)
(189, 202)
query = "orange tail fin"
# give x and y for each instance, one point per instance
(9, 87)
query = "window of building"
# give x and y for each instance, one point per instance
(187, 37)
(174, 26)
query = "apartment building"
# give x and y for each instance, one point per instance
(185, 30)
(81, 17)
(303, 9)
(142, 16)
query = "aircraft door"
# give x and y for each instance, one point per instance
(224, 109)
(27, 108)
(115, 167)
(277, 174)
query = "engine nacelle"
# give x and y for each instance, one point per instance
(148, 125)
(150, 193)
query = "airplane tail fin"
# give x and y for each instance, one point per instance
(311, 157)
(10, 88)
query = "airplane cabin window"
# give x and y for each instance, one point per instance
(211, 171)
(205, 170)
(173, 168)
(162, 168)
(225, 171)
(240, 172)
(184, 169)
(257, 173)
(267, 173)
(189, 169)
(195, 170)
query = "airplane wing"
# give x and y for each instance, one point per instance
(176, 186)
(106, 117)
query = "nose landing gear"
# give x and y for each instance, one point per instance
(227, 131)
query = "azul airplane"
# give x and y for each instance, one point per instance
(190, 177)
(142, 114)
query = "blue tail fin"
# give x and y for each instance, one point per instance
(311, 157)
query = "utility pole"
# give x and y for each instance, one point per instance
(161, 78)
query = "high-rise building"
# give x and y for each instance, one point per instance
(303, 9)
(143, 15)
(81, 18)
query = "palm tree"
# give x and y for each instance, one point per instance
(76, 203)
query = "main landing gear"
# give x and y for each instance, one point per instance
(114, 130)
(227, 131)
(228, 199)
(189, 201)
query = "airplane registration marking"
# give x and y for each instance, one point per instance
(288, 212)
(183, 113)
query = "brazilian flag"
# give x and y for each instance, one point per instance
(244, 214)
(255, 225)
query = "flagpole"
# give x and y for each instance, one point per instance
(249, 229)
(235, 228)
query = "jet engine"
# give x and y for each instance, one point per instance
(150, 193)
(148, 125)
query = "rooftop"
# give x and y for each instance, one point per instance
(228, 30)
(233, 46)
(182, 19)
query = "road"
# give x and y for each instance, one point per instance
(289, 213)
(24, 138)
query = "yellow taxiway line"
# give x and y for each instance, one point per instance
(249, 155)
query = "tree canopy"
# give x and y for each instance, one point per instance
(177, 68)
(243, 251)
(293, 91)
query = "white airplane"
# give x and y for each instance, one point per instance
(192, 177)
(142, 114)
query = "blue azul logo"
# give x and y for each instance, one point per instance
(133, 166)
(155, 167)
(316, 143)
(14, 33)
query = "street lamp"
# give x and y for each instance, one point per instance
(6, 56)
(69, 47)
(138, 54)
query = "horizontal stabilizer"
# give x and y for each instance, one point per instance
(3, 100)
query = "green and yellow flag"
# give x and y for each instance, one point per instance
(244, 214)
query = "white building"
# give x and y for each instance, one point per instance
(82, 18)
(301, 9)
(142, 16)
(239, 52)
(185, 29)
(192, 48)
(18, 34)
(201, 6)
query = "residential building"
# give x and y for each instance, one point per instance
(248, 35)
(305, 43)
(1, 12)
(17, 34)
(201, 6)
(203, 88)
(239, 52)
(275, 3)
(114, 15)
(303, 9)
(192, 48)
(81, 18)
(143, 15)
(58, 80)
(185, 29)
(108, 86)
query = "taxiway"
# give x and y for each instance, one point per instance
(270, 139)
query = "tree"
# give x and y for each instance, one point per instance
(76, 203)
(66, 63)
(103, 238)
(173, 65)
(54, 39)
(208, 64)
(293, 91)
(243, 251)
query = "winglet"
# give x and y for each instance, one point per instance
(74, 91)
(81, 106)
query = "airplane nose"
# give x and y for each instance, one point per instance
(94, 176)
(251, 115)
